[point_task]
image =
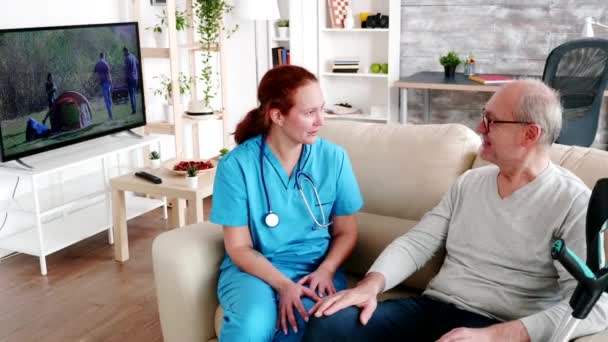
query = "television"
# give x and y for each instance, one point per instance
(64, 85)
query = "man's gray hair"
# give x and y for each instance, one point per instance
(540, 105)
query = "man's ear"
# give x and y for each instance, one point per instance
(276, 117)
(533, 133)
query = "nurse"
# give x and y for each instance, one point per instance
(286, 199)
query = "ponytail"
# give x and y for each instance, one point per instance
(253, 124)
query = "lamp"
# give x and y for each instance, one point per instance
(257, 10)
(588, 28)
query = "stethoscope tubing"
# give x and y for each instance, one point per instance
(271, 219)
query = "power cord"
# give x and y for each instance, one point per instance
(12, 197)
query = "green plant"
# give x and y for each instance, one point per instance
(451, 59)
(210, 15)
(283, 23)
(154, 155)
(224, 151)
(180, 22)
(166, 86)
(192, 170)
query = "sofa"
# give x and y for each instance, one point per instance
(402, 170)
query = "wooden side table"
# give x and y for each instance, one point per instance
(173, 186)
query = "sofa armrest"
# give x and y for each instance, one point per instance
(186, 263)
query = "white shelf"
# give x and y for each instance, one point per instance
(354, 74)
(276, 39)
(79, 225)
(355, 117)
(356, 30)
(369, 46)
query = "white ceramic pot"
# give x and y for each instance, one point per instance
(161, 39)
(192, 182)
(155, 163)
(283, 32)
(168, 112)
(182, 37)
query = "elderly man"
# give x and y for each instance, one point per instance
(497, 223)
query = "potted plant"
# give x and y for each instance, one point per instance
(192, 176)
(224, 151)
(450, 62)
(283, 28)
(155, 159)
(210, 16)
(181, 23)
(165, 88)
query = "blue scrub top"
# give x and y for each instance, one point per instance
(239, 200)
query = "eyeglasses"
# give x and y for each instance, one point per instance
(487, 122)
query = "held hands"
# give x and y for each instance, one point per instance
(320, 281)
(290, 294)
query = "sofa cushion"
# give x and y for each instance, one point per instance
(375, 233)
(404, 170)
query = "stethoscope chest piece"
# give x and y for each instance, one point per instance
(271, 220)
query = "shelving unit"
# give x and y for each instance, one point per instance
(63, 214)
(189, 49)
(363, 89)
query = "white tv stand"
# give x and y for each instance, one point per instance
(68, 212)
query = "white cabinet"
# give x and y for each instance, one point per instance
(372, 93)
(70, 209)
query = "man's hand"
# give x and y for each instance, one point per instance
(508, 331)
(321, 279)
(290, 294)
(363, 296)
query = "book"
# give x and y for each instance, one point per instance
(490, 79)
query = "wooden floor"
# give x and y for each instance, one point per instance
(86, 296)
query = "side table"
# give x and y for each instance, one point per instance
(173, 186)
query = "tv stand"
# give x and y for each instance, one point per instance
(24, 164)
(132, 133)
(66, 210)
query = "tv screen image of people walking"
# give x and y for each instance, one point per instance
(62, 85)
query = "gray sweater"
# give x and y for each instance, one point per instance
(498, 260)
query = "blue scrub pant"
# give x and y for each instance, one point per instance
(251, 306)
(107, 97)
(417, 319)
(132, 85)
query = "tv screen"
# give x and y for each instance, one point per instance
(62, 85)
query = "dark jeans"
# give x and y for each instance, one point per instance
(415, 319)
(132, 85)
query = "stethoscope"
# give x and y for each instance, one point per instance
(272, 219)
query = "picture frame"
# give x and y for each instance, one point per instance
(158, 2)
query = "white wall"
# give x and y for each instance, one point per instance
(240, 75)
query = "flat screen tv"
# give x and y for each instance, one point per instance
(63, 85)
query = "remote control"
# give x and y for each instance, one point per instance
(149, 177)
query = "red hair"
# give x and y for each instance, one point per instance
(276, 91)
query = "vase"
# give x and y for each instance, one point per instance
(283, 32)
(450, 71)
(155, 163)
(161, 39)
(192, 182)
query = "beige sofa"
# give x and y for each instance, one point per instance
(402, 170)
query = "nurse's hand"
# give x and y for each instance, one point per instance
(290, 295)
(321, 281)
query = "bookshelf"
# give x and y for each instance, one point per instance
(363, 89)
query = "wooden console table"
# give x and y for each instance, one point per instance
(173, 186)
